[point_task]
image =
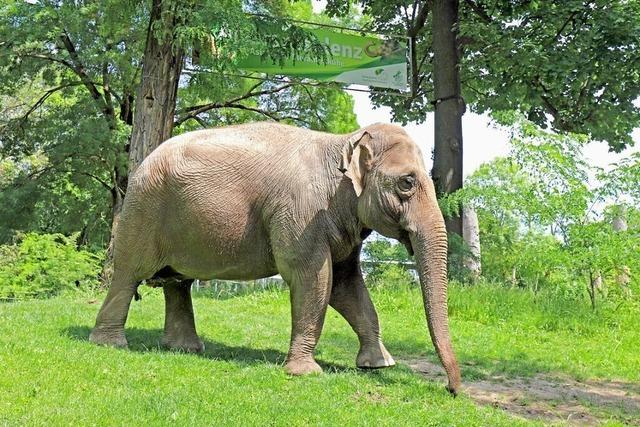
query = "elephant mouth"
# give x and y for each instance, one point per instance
(406, 241)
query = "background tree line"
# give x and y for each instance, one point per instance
(79, 94)
(88, 88)
(548, 221)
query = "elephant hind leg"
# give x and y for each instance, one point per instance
(179, 323)
(109, 328)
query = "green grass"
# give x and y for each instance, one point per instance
(51, 375)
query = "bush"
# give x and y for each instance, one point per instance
(43, 265)
(390, 276)
(458, 253)
(386, 264)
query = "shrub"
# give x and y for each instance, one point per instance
(386, 264)
(458, 252)
(43, 265)
(390, 276)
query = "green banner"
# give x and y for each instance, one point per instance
(353, 59)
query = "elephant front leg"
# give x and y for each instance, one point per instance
(179, 323)
(310, 290)
(351, 299)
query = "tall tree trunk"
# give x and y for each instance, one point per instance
(471, 236)
(156, 97)
(623, 278)
(449, 105)
(155, 104)
(117, 198)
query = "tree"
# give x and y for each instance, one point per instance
(71, 67)
(448, 105)
(571, 65)
(174, 27)
(69, 75)
(471, 237)
(546, 215)
(158, 89)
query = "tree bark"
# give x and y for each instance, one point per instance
(449, 105)
(117, 198)
(623, 278)
(471, 236)
(156, 96)
(155, 105)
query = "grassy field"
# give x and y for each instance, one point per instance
(51, 375)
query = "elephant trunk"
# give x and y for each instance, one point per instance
(429, 243)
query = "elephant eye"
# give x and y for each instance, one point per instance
(406, 183)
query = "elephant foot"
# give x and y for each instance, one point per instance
(302, 367)
(186, 344)
(108, 338)
(374, 357)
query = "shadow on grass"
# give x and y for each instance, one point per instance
(474, 368)
(477, 366)
(148, 340)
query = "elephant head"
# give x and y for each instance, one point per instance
(396, 197)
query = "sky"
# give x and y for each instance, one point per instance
(483, 141)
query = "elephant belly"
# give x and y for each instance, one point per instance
(222, 240)
(214, 258)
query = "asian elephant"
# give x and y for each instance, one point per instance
(250, 201)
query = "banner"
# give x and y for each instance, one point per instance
(353, 59)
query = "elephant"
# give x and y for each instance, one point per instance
(250, 201)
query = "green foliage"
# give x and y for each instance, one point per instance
(43, 265)
(69, 74)
(570, 64)
(382, 249)
(569, 60)
(546, 215)
(390, 275)
(458, 252)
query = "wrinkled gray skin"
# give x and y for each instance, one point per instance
(251, 201)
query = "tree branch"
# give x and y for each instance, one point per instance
(37, 174)
(77, 65)
(193, 111)
(204, 107)
(420, 19)
(482, 14)
(408, 21)
(79, 69)
(200, 122)
(109, 110)
(49, 58)
(320, 119)
(44, 97)
(561, 30)
(265, 113)
(551, 109)
(104, 183)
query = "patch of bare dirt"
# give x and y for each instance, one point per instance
(549, 398)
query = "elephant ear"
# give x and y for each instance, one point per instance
(356, 159)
